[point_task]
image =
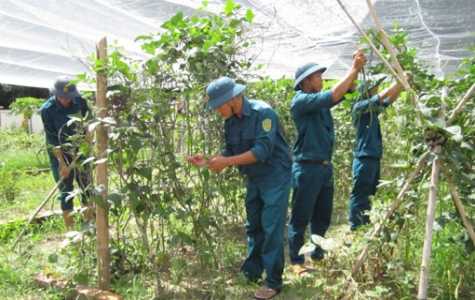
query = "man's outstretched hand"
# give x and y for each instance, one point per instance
(197, 160)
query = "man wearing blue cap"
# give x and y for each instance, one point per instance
(255, 144)
(369, 147)
(55, 113)
(312, 198)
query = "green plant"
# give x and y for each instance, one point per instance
(27, 107)
(8, 187)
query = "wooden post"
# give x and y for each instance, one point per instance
(102, 213)
(426, 250)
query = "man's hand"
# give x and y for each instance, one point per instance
(218, 163)
(63, 170)
(359, 59)
(197, 160)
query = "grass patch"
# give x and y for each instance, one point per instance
(20, 160)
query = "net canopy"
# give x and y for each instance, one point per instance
(42, 39)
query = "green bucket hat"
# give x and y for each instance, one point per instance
(368, 85)
(304, 71)
(221, 90)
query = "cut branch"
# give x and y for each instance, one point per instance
(384, 39)
(371, 45)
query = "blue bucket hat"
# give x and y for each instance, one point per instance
(62, 88)
(304, 71)
(221, 90)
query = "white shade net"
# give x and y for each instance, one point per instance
(40, 39)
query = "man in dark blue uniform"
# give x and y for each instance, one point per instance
(255, 145)
(55, 113)
(369, 147)
(312, 198)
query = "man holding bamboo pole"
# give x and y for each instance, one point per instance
(369, 147)
(312, 199)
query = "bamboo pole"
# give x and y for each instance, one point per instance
(102, 211)
(426, 251)
(377, 231)
(385, 41)
(458, 202)
(460, 105)
(371, 45)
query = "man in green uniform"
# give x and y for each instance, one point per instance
(255, 145)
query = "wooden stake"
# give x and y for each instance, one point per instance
(460, 105)
(102, 211)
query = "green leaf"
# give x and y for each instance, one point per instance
(116, 199)
(136, 144)
(177, 19)
(92, 126)
(53, 258)
(436, 123)
(207, 44)
(230, 6)
(89, 159)
(204, 221)
(467, 146)
(249, 15)
(454, 130)
(100, 161)
(98, 200)
(458, 138)
(325, 244)
(145, 172)
(307, 248)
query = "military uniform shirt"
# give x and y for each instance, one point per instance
(258, 130)
(369, 141)
(312, 117)
(55, 118)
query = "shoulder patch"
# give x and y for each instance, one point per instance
(267, 125)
